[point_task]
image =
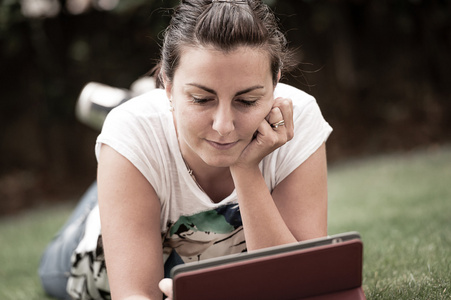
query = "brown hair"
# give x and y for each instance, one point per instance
(223, 25)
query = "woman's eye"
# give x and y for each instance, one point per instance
(200, 100)
(247, 102)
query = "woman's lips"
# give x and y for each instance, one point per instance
(222, 146)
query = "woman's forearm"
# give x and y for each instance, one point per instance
(262, 221)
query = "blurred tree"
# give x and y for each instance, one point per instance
(45, 61)
(380, 70)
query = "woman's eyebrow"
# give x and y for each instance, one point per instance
(211, 91)
(250, 89)
(208, 90)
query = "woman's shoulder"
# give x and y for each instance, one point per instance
(152, 101)
(298, 96)
(149, 110)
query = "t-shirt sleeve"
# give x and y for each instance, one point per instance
(310, 131)
(130, 131)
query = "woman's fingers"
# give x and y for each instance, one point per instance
(274, 131)
(275, 118)
(166, 287)
(280, 118)
(285, 107)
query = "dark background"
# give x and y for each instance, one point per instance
(380, 70)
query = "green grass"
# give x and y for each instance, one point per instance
(22, 241)
(400, 204)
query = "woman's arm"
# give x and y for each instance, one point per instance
(130, 218)
(296, 210)
(301, 198)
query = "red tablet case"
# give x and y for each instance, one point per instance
(328, 272)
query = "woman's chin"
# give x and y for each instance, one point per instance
(219, 162)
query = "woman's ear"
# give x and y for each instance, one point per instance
(278, 78)
(167, 86)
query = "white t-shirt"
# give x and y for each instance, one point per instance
(142, 130)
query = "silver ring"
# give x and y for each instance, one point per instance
(277, 124)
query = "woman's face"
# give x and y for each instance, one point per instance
(219, 100)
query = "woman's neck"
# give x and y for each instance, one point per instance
(217, 186)
(216, 182)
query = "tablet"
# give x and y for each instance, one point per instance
(323, 268)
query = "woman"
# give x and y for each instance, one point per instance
(223, 159)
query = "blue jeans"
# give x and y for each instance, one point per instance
(55, 265)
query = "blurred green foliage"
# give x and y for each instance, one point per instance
(380, 71)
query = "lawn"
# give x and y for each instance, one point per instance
(22, 240)
(400, 204)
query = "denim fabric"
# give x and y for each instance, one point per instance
(55, 265)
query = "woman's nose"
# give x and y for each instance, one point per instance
(223, 121)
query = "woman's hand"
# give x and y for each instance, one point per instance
(268, 138)
(166, 287)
